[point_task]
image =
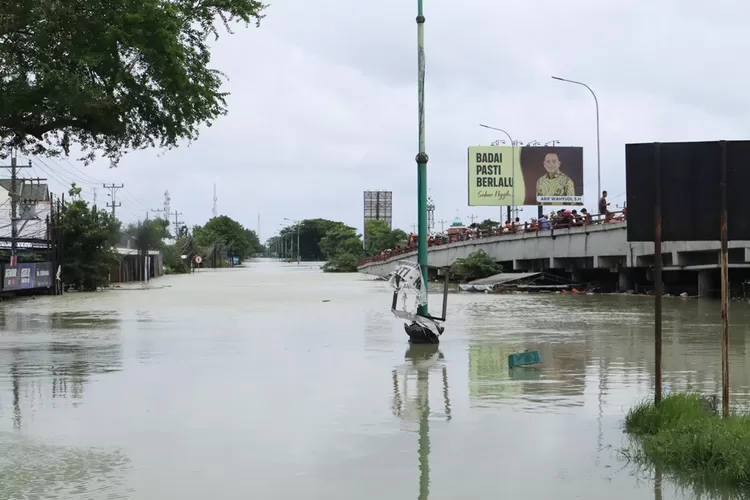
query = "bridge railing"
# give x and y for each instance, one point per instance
(507, 230)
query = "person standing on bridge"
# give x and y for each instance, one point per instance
(603, 204)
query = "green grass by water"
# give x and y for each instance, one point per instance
(690, 442)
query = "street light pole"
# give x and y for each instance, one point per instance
(598, 149)
(296, 223)
(421, 158)
(513, 166)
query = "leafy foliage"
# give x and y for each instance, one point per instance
(223, 237)
(476, 266)
(343, 263)
(110, 75)
(380, 237)
(489, 225)
(89, 237)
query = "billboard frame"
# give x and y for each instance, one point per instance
(531, 163)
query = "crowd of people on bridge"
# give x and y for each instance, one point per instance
(556, 220)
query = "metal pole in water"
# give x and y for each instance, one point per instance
(724, 286)
(422, 158)
(658, 292)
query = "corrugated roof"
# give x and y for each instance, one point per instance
(503, 278)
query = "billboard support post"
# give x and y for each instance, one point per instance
(724, 285)
(421, 158)
(658, 292)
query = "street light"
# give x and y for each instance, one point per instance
(296, 223)
(513, 165)
(552, 143)
(598, 150)
(533, 143)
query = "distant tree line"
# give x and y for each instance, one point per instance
(335, 242)
(91, 236)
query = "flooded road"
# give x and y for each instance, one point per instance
(278, 381)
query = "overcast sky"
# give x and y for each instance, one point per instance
(323, 103)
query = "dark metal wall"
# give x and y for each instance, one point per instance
(690, 180)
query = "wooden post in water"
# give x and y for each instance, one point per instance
(658, 292)
(724, 286)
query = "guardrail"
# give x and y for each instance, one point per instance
(506, 230)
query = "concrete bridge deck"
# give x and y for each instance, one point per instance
(602, 247)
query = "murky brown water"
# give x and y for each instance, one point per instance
(244, 384)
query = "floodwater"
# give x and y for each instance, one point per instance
(278, 381)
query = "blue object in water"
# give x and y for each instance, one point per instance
(524, 358)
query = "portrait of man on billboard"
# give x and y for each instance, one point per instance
(554, 182)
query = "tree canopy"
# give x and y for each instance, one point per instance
(476, 266)
(111, 75)
(380, 236)
(88, 237)
(227, 237)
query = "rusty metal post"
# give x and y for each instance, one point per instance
(724, 286)
(658, 264)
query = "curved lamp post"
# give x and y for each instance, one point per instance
(513, 164)
(598, 150)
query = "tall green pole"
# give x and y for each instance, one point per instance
(421, 157)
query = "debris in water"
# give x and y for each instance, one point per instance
(524, 358)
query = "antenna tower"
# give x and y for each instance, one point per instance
(215, 199)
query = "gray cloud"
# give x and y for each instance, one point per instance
(323, 102)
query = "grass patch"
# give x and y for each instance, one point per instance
(688, 440)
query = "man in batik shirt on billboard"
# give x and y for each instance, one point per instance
(554, 182)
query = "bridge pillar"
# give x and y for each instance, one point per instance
(706, 283)
(624, 280)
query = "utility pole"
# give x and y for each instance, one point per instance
(93, 192)
(177, 222)
(113, 188)
(472, 217)
(413, 228)
(214, 211)
(15, 195)
(442, 223)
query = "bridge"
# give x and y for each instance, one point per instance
(596, 251)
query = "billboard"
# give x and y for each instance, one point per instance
(685, 179)
(27, 276)
(525, 175)
(378, 206)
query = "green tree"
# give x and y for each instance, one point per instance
(89, 237)
(379, 237)
(341, 239)
(342, 246)
(223, 237)
(476, 266)
(111, 75)
(489, 225)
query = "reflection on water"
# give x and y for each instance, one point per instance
(278, 381)
(421, 360)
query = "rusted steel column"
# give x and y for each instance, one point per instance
(658, 292)
(724, 286)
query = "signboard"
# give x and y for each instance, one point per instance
(688, 175)
(526, 175)
(235, 260)
(27, 276)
